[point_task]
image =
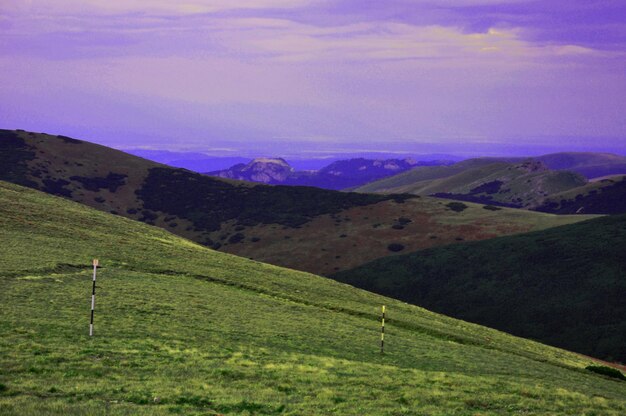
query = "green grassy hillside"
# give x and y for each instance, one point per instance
(306, 228)
(521, 185)
(423, 174)
(181, 329)
(565, 286)
(603, 196)
(591, 165)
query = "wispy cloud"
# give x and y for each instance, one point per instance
(144, 7)
(353, 69)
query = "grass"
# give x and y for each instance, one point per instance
(181, 329)
(604, 196)
(563, 285)
(521, 184)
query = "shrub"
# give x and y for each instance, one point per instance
(492, 208)
(235, 238)
(457, 206)
(606, 371)
(395, 247)
(397, 227)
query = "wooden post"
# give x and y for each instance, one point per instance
(382, 332)
(93, 296)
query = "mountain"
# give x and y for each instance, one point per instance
(338, 175)
(564, 286)
(603, 196)
(309, 229)
(520, 185)
(264, 170)
(182, 329)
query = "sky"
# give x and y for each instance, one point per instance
(464, 76)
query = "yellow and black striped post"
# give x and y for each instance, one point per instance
(382, 332)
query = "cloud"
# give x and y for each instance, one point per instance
(168, 7)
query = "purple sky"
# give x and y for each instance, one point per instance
(268, 74)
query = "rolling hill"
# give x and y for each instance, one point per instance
(589, 164)
(182, 329)
(306, 228)
(519, 185)
(423, 174)
(564, 286)
(603, 196)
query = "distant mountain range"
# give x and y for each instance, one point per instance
(337, 175)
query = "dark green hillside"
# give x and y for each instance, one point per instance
(184, 330)
(565, 286)
(605, 196)
(209, 202)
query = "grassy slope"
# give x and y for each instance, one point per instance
(422, 174)
(565, 286)
(521, 184)
(181, 329)
(330, 243)
(591, 165)
(604, 196)
(297, 227)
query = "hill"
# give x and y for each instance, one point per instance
(181, 329)
(588, 164)
(519, 185)
(603, 196)
(336, 176)
(306, 228)
(421, 174)
(564, 286)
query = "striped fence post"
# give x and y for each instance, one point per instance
(382, 332)
(93, 296)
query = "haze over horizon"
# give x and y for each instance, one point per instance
(469, 78)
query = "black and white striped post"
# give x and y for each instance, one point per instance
(382, 332)
(93, 296)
